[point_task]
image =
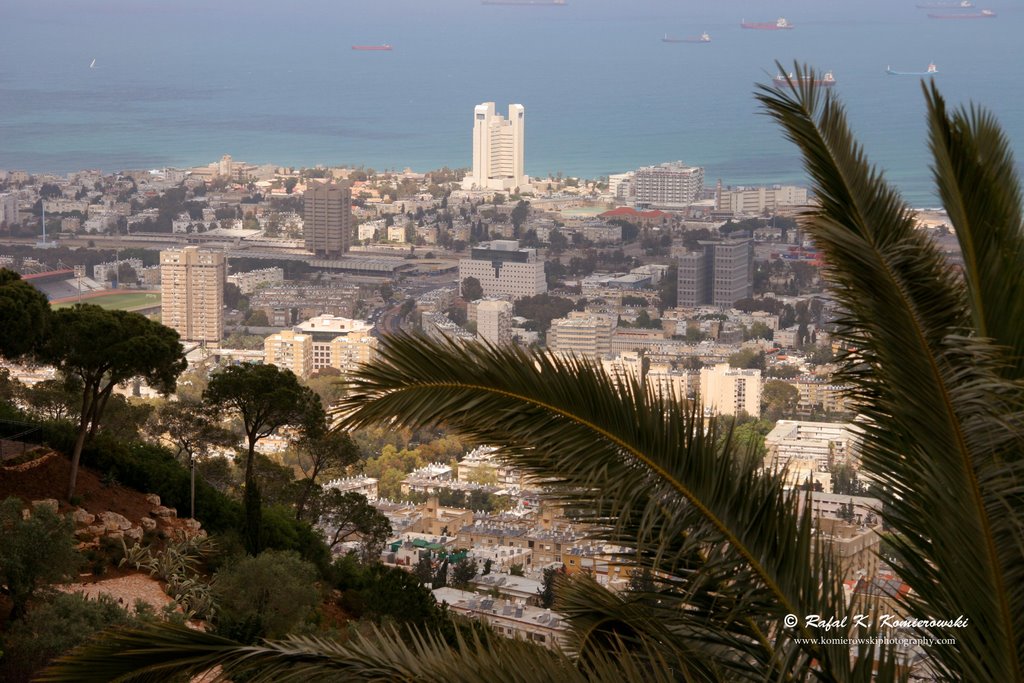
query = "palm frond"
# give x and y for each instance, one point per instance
(160, 652)
(977, 179)
(943, 426)
(640, 467)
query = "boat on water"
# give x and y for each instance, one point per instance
(930, 71)
(702, 38)
(780, 24)
(827, 80)
(554, 3)
(372, 48)
(963, 4)
(983, 14)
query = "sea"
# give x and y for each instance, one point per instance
(116, 84)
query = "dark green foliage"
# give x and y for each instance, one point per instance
(546, 593)
(53, 627)
(463, 572)
(25, 314)
(33, 552)
(543, 308)
(266, 596)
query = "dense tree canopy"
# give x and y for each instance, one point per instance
(25, 315)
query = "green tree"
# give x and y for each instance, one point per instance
(265, 596)
(34, 551)
(266, 398)
(54, 399)
(346, 515)
(26, 316)
(102, 349)
(778, 400)
(749, 358)
(463, 572)
(472, 289)
(192, 431)
(937, 374)
(323, 452)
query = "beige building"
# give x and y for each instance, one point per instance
(493, 320)
(252, 280)
(338, 342)
(727, 391)
(327, 219)
(192, 294)
(582, 333)
(507, 618)
(498, 144)
(291, 350)
(805, 448)
(754, 201)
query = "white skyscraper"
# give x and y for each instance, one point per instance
(497, 149)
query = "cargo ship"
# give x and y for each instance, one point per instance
(963, 4)
(983, 14)
(779, 24)
(702, 38)
(930, 71)
(372, 48)
(827, 80)
(528, 3)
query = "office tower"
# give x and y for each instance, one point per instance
(497, 149)
(719, 274)
(192, 294)
(582, 334)
(668, 186)
(327, 219)
(504, 270)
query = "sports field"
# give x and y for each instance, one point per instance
(125, 301)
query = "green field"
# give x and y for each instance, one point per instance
(119, 301)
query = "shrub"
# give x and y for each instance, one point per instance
(52, 628)
(266, 596)
(33, 552)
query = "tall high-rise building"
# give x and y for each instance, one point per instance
(719, 274)
(493, 320)
(668, 186)
(327, 219)
(504, 270)
(291, 350)
(497, 149)
(192, 294)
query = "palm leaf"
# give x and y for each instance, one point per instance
(644, 471)
(943, 434)
(977, 179)
(161, 652)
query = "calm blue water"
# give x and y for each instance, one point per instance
(181, 82)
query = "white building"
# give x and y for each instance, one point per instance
(497, 149)
(809, 447)
(102, 272)
(362, 484)
(493, 320)
(504, 270)
(507, 619)
(668, 186)
(727, 391)
(8, 208)
(250, 281)
(753, 201)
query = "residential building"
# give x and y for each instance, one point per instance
(248, 282)
(854, 547)
(339, 342)
(668, 186)
(727, 391)
(804, 447)
(498, 149)
(8, 209)
(583, 334)
(506, 618)
(192, 294)
(504, 270)
(106, 272)
(361, 484)
(327, 219)
(754, 201)
(290, 350)
(667, 381)
(493, 320)
(719, 274)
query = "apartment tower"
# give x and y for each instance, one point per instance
(327, 219)
(192, 294)
(497, 149)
